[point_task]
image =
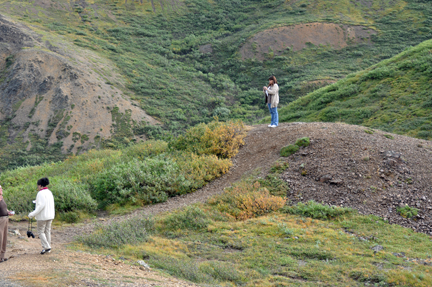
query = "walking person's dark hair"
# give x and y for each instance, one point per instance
(273, 78)
(43, 182)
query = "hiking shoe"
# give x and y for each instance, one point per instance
(45, 251)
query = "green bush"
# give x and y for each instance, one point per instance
(407, 211)
(141, 182)
(316, 210)
(117, 234)
(71, 196)
(191, 217)
(305, 142)
(289, 150)
(69, 217)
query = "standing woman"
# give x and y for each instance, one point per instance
(4, 218)
(272, 100)
(44, 213)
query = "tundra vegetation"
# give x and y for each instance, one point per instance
(182, 64)
(250, 236)
(120, 180)
(393, 96)
(181, 60)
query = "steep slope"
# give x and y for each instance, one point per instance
(52, 96)
(394, 95)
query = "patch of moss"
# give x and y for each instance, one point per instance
(289, 150)
(305, 142)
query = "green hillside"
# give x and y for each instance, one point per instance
(159, 49)
(394, 96)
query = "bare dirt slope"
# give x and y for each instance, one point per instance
(297, 37)
(344, 165)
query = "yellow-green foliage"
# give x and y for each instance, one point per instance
(143, 173)
(208, 244)
(247, 200)
(222, 139)
(199, 169)
(277, 249)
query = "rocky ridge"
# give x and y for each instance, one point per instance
(369, 170)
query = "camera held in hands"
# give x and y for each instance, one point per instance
(30, 234)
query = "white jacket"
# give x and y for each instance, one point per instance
(274, 91)
(44, 206)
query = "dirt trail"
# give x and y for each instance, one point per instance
(372, 171)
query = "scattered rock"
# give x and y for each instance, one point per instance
(325, 178)
(402, 254)
(302, 263)
(377, 248)
(143, 265)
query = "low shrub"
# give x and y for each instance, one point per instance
(71, 196)
(191, 217)
(141, 182)
(222, 139)
(183, 268)
(69, 217)
(311, 254)
(197, 170)
(305, 142)
(155, 179)
(293, 148)
(316, 210)
(146, 149)
(279, 167)
(247, 200)
(407, 211)
(117, 234)
(289, 150)
(275, 185)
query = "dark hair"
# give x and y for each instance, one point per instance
(43, 182)
(274, 79)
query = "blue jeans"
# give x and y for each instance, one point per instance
(274, 115)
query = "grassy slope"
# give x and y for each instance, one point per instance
(205, 245)
(393, 95)
(158, 52)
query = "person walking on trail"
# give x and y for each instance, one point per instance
(44, 213)
(272, 100)
(4, 218)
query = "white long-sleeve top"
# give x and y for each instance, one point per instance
(44, 205)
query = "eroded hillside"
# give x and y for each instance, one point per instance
(59, 94)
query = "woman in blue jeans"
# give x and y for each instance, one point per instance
(272, 100)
